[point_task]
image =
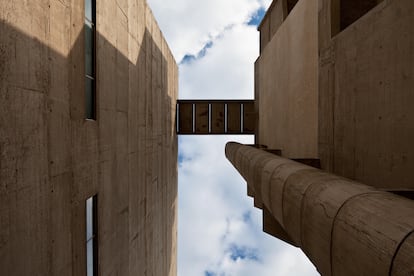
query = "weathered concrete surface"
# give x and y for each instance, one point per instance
(366, 83)
(271, 22)
(51, 159)
(272, 227)
(287, 84)
(344, 227)
(273, 19)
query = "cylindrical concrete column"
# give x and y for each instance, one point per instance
(344, 227)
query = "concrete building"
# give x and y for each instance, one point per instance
(339, 77)
(88, 145)
(87, 108)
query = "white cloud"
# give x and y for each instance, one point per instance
(189, 25)
(219, 229)
(215, 214)
(227, 69)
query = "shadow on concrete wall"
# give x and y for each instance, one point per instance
(51, 159)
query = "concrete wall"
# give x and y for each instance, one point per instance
(52, 159)
(287, 84)
(271, 22)
(366, 98)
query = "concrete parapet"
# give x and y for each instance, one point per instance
(344, 227)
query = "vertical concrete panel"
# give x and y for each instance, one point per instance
(326, 14)
(373, 61)
(288, 85)
(277, 16)
(264, 33)
(325, 111)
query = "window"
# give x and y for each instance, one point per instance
(346, 12)
(291, 4)
(90, 84)
(91, 237)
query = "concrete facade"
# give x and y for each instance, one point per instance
(366, 84)
(52, 159)
(335, 81)
(338, 76)
(287, 80)
(344, 227)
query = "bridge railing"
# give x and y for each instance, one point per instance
(216, 117)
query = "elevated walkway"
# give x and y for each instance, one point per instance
(197, 117)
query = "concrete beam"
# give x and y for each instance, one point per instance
(344, 227)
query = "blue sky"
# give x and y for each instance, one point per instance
(215, 43)
(257, 17)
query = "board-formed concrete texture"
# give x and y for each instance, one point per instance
(287, 80)
(335, 81)
(52, 159)
(366, 115)
(344, 227)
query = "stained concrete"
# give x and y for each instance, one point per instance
(287, 84)
(344, 227)
(334, 82)
(366, 82)
(52, 159)
(340, 95)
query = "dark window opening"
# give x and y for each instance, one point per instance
(91, 236)
(90, 78)
(346, 12)
(291, 4)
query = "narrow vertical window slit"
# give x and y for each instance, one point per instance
(90, 59)
(91, 236)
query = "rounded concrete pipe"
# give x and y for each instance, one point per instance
(344, 227)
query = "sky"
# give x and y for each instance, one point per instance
(215, 43)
